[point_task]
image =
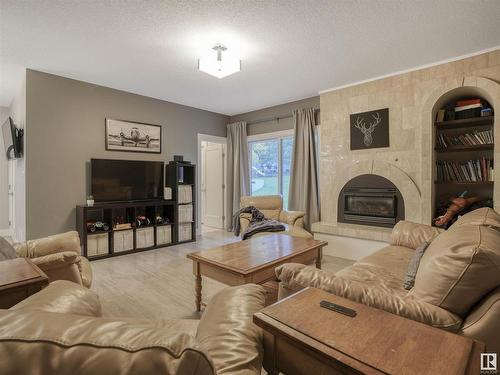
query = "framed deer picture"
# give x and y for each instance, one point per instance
(370, 129)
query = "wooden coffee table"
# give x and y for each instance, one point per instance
(310, 339)
(253, 260)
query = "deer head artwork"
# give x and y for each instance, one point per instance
(368, 130)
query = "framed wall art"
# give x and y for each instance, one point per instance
(370, 129)
(132, 136)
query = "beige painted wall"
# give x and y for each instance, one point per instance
(65, 121)
(273, 112)
(409, 97)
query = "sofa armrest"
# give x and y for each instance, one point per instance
(226, 327)
(244, 221)
(296, 276)
(483, 322)
(54, 261)
(69, 241)
(64, 297)
(292, 217)
(412, 235)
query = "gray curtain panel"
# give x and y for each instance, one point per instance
(304, 192)
(238, 177)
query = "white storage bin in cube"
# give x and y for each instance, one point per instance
(97, 244)
(163, 235)
(185, 193)
(185, 213)
(123, 240)
(185, 232)
(145, 237)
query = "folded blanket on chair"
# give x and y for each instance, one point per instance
(258, 223)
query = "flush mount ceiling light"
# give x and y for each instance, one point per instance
(218, 65)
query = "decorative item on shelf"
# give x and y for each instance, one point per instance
(120, 223)
(133, 136)
(167, 193)
(370, 129)
(162, 220)
(464, 109)
(142, 221)
(179, 158)
(97, 226)
(90, 200)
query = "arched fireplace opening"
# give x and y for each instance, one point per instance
(370, 199)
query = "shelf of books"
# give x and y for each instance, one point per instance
(464, 145)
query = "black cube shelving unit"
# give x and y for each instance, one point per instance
(181, 178)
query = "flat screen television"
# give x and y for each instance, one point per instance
(126, 180)
(12, 139)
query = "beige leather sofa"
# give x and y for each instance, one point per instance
(272, 208)
(59, 331)
(59, 256)
(457, 285)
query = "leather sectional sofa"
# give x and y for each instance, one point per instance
(60, 331)
(457, 285)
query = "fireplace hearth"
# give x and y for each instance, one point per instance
(370, 200)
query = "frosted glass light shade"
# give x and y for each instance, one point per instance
(219, 64)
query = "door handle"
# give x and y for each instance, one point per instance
(10, 193)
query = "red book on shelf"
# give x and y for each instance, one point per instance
(461, 103)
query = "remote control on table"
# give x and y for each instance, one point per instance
(338, 308)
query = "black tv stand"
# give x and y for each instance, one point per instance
(178, 224)
(109, 212)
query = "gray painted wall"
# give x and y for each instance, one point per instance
(273, 112)
(65, 120)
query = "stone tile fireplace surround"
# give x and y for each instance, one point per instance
(413, 99)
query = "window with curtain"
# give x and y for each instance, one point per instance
(270, 161)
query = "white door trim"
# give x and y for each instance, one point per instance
(212, 139)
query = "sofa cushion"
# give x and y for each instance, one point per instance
(384, 269)
(411, 271)
(6, 250)
(39, 342)
(295, 276)
(412, 235)
(482, 216)
(459, 267)
(64, 297)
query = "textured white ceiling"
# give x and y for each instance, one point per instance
(289, 49)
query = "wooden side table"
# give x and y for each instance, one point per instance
(309, 339)
(19, 279)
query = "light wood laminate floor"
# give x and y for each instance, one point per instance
(159, 283)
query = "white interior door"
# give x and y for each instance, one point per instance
(213, 185)
(10, 192)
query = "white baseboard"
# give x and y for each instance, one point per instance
(348, 247)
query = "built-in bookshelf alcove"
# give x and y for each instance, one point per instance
(463, 147)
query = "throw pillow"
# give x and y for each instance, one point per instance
(411, 271)
(6, 250)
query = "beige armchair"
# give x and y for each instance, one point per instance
(59, 256)
(272, 208)
(60, 331)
